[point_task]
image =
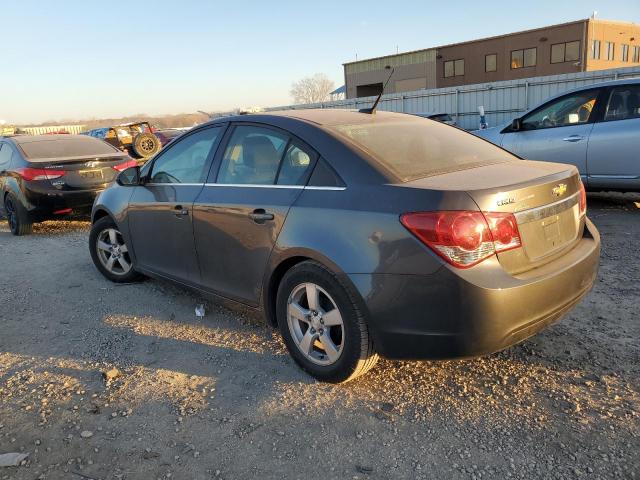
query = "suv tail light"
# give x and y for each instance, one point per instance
(464, 238)
(583, 199)
(30, 174)
(123, 166)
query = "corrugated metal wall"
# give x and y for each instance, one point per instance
(502, 101)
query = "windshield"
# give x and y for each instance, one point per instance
(72, 146)
(412, 149)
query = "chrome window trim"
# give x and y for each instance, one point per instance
(260, 185)
(172, 184)
(538, 213)
(256, 185)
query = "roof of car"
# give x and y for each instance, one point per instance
(326, 116)
(20, 139)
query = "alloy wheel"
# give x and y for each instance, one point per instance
(315, 323)
(113, 252)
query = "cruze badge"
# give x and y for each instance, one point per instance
(505, 201)
(559, 189)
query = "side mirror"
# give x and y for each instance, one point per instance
(129, 177)
(516, 124)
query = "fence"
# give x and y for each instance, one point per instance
(502, 101)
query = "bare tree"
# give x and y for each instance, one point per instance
(312, 89)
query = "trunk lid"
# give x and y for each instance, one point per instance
(543, 196)
(82, 173)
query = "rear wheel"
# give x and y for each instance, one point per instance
(110, 253)
(322, 326)
(17, 216)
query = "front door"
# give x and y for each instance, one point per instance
(239, 214)
(613, 157)
(161, 210)
(558, 131)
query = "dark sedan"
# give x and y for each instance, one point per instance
(45, 177)
(357, 234)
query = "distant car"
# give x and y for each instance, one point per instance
(438, 117)
(596, 128)
(356, 234)
(137, 139)
(50, 176)
(167, 135)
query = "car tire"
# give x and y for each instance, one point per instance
(146, 145)
(110, 253)
(332, 343)
(20, 223)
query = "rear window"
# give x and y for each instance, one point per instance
(73, 146)
(415, 148)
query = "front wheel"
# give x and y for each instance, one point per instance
(110, 253)
(17, 216)
(322, 326)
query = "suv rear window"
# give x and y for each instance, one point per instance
(414, 148)
(73, 146)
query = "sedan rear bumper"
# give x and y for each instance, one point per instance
(465, 313)
(44, 203)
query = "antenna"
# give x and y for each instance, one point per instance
(372, 110)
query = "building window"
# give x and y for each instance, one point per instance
(454, 68)
(491, 62)
(566, 52)
(611, 50)
(636, 54)
(523, 58)
(595, 49)
(625, 52)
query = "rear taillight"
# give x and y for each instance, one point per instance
(464, 238)
(30, 174)
(123, 166)
(583, 199)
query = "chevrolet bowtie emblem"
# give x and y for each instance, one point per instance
(559, 189)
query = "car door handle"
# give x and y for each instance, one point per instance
(573, 138)
(260, 216)
(179, 211)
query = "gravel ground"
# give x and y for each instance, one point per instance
(99, 381)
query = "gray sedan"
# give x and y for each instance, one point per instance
(357, 234)
(595, 128)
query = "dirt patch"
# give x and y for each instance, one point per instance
(218, 397)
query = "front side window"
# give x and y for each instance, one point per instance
(491, 62)
(185, 160)
(595, 50)
(252, 156)
(624, 103)
(572, 109)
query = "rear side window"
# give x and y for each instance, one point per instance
(624, 103)
(295, 164)
(252, 156)
(72, 146)
(5, 156)
(416, 148)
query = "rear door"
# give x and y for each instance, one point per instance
(612, 157)
(160, 211)
(557, 131)
(239, 213)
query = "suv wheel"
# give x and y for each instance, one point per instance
(17, 216)
(110, 253)
(322, 326)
